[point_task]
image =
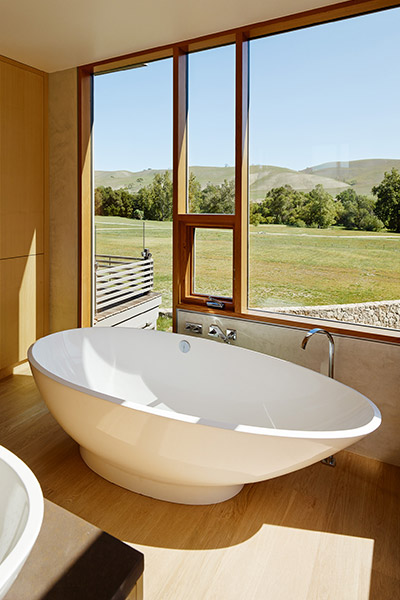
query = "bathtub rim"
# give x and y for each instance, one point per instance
(356, 432)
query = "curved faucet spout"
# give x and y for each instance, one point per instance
(331, 346)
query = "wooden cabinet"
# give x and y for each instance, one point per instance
(23, 117)
(21, 307)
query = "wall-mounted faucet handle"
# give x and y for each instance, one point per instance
(216, 331)
(194, 328)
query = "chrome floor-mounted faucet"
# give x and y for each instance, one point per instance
(331, 460)
(331, 346)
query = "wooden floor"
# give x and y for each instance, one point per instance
(320, 533)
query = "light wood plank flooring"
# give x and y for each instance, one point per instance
(320, 533)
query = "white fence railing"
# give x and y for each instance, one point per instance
(120, 279)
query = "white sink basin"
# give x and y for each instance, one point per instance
(21, 516)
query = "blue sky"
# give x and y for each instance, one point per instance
(326, 93)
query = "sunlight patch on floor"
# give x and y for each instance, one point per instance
(277, 563)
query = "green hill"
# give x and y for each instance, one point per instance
(136, 180)
(362, 175)
(125, 179)
(262, 179)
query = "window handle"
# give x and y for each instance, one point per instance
(214, 303)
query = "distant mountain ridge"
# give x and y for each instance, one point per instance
(361, 175)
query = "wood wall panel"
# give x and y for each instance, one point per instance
(22, 147)
(23, 210)
(21, 307)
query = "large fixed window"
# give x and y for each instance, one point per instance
(324, 130)
(293, 126)
(211, 130)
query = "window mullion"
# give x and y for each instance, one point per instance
(240, 253)
(180, 106)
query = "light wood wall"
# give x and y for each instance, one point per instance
(63, 200)
(23, 210)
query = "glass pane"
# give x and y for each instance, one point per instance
(211, 146)
(213, 262)
(133, 169)
(323, 233)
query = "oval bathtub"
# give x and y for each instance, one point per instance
(191, 423)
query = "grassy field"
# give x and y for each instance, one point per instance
(288, 266)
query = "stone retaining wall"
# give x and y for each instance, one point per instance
(379, 314)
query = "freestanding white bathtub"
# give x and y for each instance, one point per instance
(190, 420)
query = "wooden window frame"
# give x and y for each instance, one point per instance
(183, 222)
(187, 229)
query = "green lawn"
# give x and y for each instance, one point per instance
(288, 266)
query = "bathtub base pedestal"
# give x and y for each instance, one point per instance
(180, 494)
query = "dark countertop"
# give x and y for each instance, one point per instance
(74, 560)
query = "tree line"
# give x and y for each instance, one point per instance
(282, 205)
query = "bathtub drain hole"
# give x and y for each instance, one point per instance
(184, 346)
